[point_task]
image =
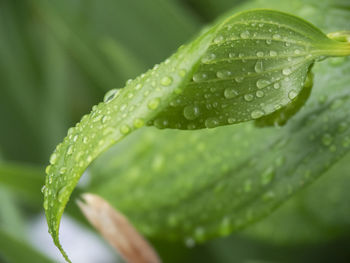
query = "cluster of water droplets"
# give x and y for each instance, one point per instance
(251, 69)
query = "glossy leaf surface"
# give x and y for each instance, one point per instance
(246, 67)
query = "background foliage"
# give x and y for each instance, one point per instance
(58, 58)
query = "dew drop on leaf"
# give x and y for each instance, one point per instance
(286, 71)
(223, 74)
(154, 103)
(211, 122)
(53, 158)
(191, 112)
(273, 53)
(259, 67)
(124, 129)
(166, 81)
(292, 94)
(239, 79)
(208, 58)
(276, 85)
(257, 114)
(245, 34)
(248, 97)
(110, 95)
(230, 93)
(200, 76)
(260, 54)
(138, 123)
(262, 83)
(260, 94)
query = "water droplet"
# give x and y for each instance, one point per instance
(259, 67)
(138, 123)
(231, 55)
(166, 81)
(207, 58)
(211, 123)
(200, 76)
(43, 189)
(104, 119)
(53, 158)
(292, 94)
(239, 79)
(327, 139)
(286, 71)
(257, 114)
(191, 112)
(230, 93)
(46, 204)
(62, 193)
(276, 85)
(268, 41)
(297, 51)
(276, 36)
(125, 129)
(262, 83)
(138, 86)
(260, 54)
(245, 34)
(218, 39)
(248, 97)
(47, 169)
(110, 95)
(153, 104)
(182, 72)
(63, 170)
(260, 94)
(273, 53)
(231, 120)
(223, 74)
(70, 150)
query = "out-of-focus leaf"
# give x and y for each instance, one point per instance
(120, 25)
(10, 214)
(254, 81)
(24, 179)
(16, 250)
(211, 9)
(320, 212)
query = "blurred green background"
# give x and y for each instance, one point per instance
(58, 58)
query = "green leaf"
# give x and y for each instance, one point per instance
(24, 179)
(248, 66)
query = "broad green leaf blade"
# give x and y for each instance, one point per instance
(317, 214)
(159, 182)
(171, 96)
(170, 193)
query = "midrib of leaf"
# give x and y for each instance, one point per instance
(148, 98)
